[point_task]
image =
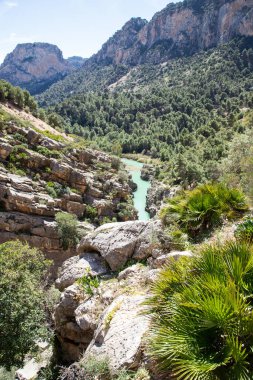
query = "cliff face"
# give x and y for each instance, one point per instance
(123, 40)
(35, 66)
(178, 30)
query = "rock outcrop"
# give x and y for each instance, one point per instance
(91, 323)
(41, 176)
(157, 193)
(106, 320)
(35, 66)
(178, 30)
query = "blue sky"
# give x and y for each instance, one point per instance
(78, 27)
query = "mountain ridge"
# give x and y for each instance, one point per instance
(179, 30)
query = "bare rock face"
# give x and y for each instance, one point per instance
(178, 30)
(113, 50)
(119, 336)
(157, 194)
(108, 321)
(35, 66)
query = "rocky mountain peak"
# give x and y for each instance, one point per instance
(35, 66)
(123, 39)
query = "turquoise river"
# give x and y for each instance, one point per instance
(134, 168)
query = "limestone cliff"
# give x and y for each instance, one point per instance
(178, 30)
(35, 66)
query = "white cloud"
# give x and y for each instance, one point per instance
(11, 4)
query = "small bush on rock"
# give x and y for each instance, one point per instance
(88, 283)
(68, 229)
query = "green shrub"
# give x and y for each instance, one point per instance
(50, 135)
(202, 313)
(14, 170)
(201, 209)
(68, 229)
(48, 153)
(96, 367)
(244, 231)
(88, 283)
(178, 239)
(91, 212)
(19, 137)
(21, 301)
(18, 154)
(55, 189)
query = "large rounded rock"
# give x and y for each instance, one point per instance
(118, 242)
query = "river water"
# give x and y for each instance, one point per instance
(134, 168)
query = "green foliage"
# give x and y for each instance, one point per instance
(178, 239)
(14, 170)
(88, 283)
(21, 301)
(237, 168)
(199, 210)
(51, 135)
(18, 155)
(17, 97)
(202, 315)
(48, 152)
(68, 229)
(7, 375)
(91, 212)
(244, 230)
(19, 137)
(126, 210)
(96, 367)
(55, 189)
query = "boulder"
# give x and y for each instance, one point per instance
(5, 149)
(32, 366)
(118, 242)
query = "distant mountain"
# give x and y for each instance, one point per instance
(179, 30)
(36, 66)
(76, 62)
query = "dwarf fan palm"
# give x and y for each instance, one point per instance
(203, 315)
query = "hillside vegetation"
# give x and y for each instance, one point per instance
(184, 112)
